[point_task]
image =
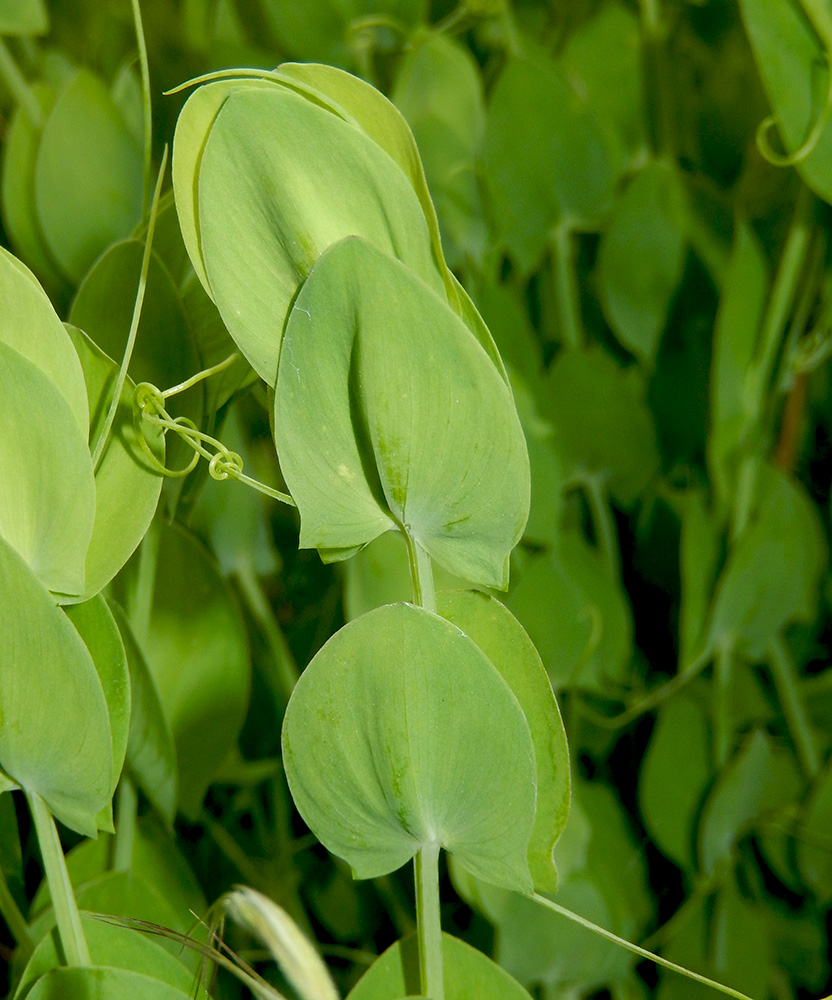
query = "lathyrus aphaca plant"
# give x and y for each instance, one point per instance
(417, 726)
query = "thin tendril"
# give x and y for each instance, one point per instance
(147, 107)
(149, 408)
(104, 436)
(200, 376)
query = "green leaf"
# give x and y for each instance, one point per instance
(17, 189)
(31, 326)
(268, 210)
(788, 56)
(641, 259)
(467, 973)
(111, 945)
(47, 492)
(126, 488)
(401, 732)
(151, 754)
(577, 615)
(601, 421)
(387, 411)
(772, 573)
(604, 58)
(504, 641)
(734, 410)
(567, 172)
(96, 626)
(55, 737)
(197, 649)
(736, 800)
(813, 843)
(674, 776)
(102, 984)
(700, 550)
(23, 17)
(88, 193)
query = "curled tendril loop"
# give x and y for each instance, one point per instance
(224, 464)
(764, 129)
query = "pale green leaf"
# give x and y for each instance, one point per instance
(400, 733)
(126, 487)
(102, 984)
(503, 640)
(467, 974)
(55, 737)
(47, 493)
(88, 193)
(31, 326)
(99, 632)
(388, 411)
(268, 209)
(23, 17)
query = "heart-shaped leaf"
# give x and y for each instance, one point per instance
(55, 736)
(268, 209)
(388, 411)
(467, 973)
(88, 193)
(47, 491)
(400, 733)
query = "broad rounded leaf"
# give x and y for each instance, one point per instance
(102, 984)
(197, 650)
(30, 325)
(467, 973)
(94, 622)
(47, 491)
(400, 733)
(88, 175)
(641, 259)
(388, 411)
(269, 208)
(504, 641)
(55, 737)
(126, 487)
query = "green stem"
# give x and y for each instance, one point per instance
(658, 78)
(148, 121)
(636, 950)
(67, 916)
(103, 437)
(14, 919)
(789, 274)
(126, 805)
(421, 573)
(19, 88)
(784, 674)
(602, 521)
(567, 295)
(723, 670)
(140, 602)
(283, 680)
(429, 929)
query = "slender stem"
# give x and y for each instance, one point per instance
(283, 679)
(789, 274)
(429, 929)
(126, 804)
(421, 573)
(14, 919)
(67, 916)
(658, 77)
(636, 950)
(103, 437)
(148, 121)
(141, 596)
(723, 670)
(784, 674)
(19, 88)
(567, 296)
(602, 522)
